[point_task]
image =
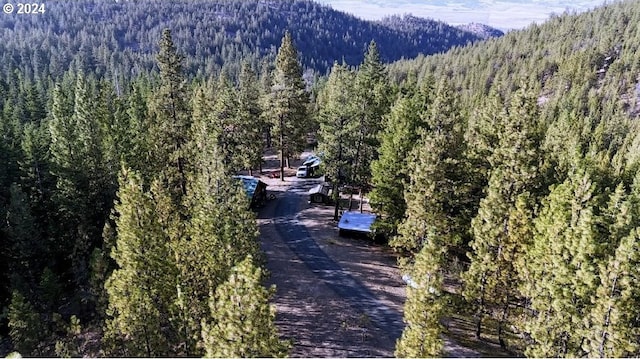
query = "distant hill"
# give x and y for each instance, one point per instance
(594, 51)
(120, 36)
(419, 28)
(481, 30)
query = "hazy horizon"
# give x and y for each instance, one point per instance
(502, 14)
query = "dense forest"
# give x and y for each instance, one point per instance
(117, 39)
(123, 232)
(504, 173)
(521, 187)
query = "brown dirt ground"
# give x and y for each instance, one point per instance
(309, 313)
(312, 315)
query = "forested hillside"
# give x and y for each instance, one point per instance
(123, 232)
(520, 194)
(504, 173)
(117, 37)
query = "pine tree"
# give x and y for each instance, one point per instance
(141, 289)
(250, 120)
(613, 318)
(482, 140)
(93, 176)
(69, 195)
(389, 171)
(337, 124)
(85, 188)
(205, 150)
(613, 321)
(70, 345)
(89, 132)
(70, 167)
(372, 98)
(9, 149)
(35, 166)
(288, 103)
(435, 193)
(113, 122)
(34, 103)
(563, 263)
(220, 232)
(490, 281)
(24, 326)
(432, 223)
(138, 156)
(225, 128)
(63, 130)
(25, 245)
(170, 120)
(521, 230)
(242, 320)
(424, 307)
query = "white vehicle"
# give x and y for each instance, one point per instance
(302, 172)
(311, 160)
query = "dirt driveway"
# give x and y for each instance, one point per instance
(335, 296)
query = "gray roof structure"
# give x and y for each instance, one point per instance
(250, 184)
(356, 221)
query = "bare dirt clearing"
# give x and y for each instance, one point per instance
(317, 273)
(335, 296)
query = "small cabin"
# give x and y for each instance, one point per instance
(321, 194)
(255, 189)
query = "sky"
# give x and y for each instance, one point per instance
(502, 14)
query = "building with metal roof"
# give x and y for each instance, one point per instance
(255, 189)
(356, 222)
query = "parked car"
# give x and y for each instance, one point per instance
(302, 172)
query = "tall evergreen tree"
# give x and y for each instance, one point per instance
(288, 103)
(425, 305)
(25, 249)
(9, 150)
(221, 231)
(25, 326)
(435, 195)
(337, 124)
(141, 288)
(434, 221)
(481, 136)
(84, 187)
(581, 266)
(489, 282)
(170, 120)
(226, 129)
(138, 156)
(373, 99)
(389, 171)
(250, 120)
(242, 320)
(613, 321)
(563, 263)
(35, 167)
